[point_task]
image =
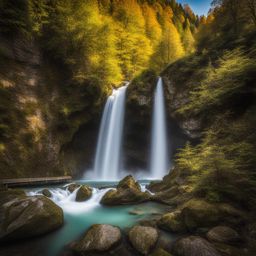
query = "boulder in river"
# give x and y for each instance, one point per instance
(128, 182)
(223, 234)
(26, 216)
(143, 238)
(83, 193)
(194, 246)
(128, 192)
(72, 187)
(99, 238)
(46, 192)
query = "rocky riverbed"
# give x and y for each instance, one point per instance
(123, 220)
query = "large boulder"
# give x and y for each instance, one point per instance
(25, 217)
(127, 192)
(198, 213)
(83, 193)
(143, 238)
(99, 238)
(172, 222)
(194, 246)
(128, 182)
(223, 234)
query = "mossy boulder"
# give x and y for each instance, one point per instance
(121, 197)
(172, 222)
(128, 192)
(198, 213)
(83, 193)
(223, 234)
(99, 238)
(194, 246)
(128, 182)
(25, 217)
(72, 187)
(46, 192)
(143, 239)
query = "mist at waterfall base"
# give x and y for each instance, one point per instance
(79, 216)
(108, 164)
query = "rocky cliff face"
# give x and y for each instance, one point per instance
(42, 112)
(138, 120)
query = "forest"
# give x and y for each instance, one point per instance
(66, 66)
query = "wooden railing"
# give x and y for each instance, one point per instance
(34, 181)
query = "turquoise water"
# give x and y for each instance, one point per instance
(79, 217)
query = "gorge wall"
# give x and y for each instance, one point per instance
(49, 123)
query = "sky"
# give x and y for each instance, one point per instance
(199, 7)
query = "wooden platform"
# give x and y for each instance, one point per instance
(22, 182)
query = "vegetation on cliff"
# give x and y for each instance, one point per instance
(218, 85)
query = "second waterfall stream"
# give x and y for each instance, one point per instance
(159, 158)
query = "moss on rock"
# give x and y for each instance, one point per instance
(99, 238)
(143, 238)
(172, 222)
(128, 191)
(25, 217)
(83, 193)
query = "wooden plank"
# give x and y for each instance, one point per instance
(35, 181)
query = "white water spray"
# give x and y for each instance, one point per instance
(107, 159)
(159, 150)
(66, 200)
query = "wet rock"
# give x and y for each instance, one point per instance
(83, 193)
(127, 196)
(137, 211)
(194, 246)
(143, 238)
(46, 192)
(72, 187)
(172, 222)
(223, 234)
(128, 183)
(99, 238)
(199, 214)
(128, 192)
(25, 217)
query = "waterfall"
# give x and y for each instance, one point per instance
(107, 159)
(159, 150)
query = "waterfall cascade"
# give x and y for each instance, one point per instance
(159, 162)
(107, 159)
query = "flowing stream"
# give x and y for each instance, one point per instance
(107, 159)
(79, 216)
(159, 150)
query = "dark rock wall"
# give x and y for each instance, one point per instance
(48, 122)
